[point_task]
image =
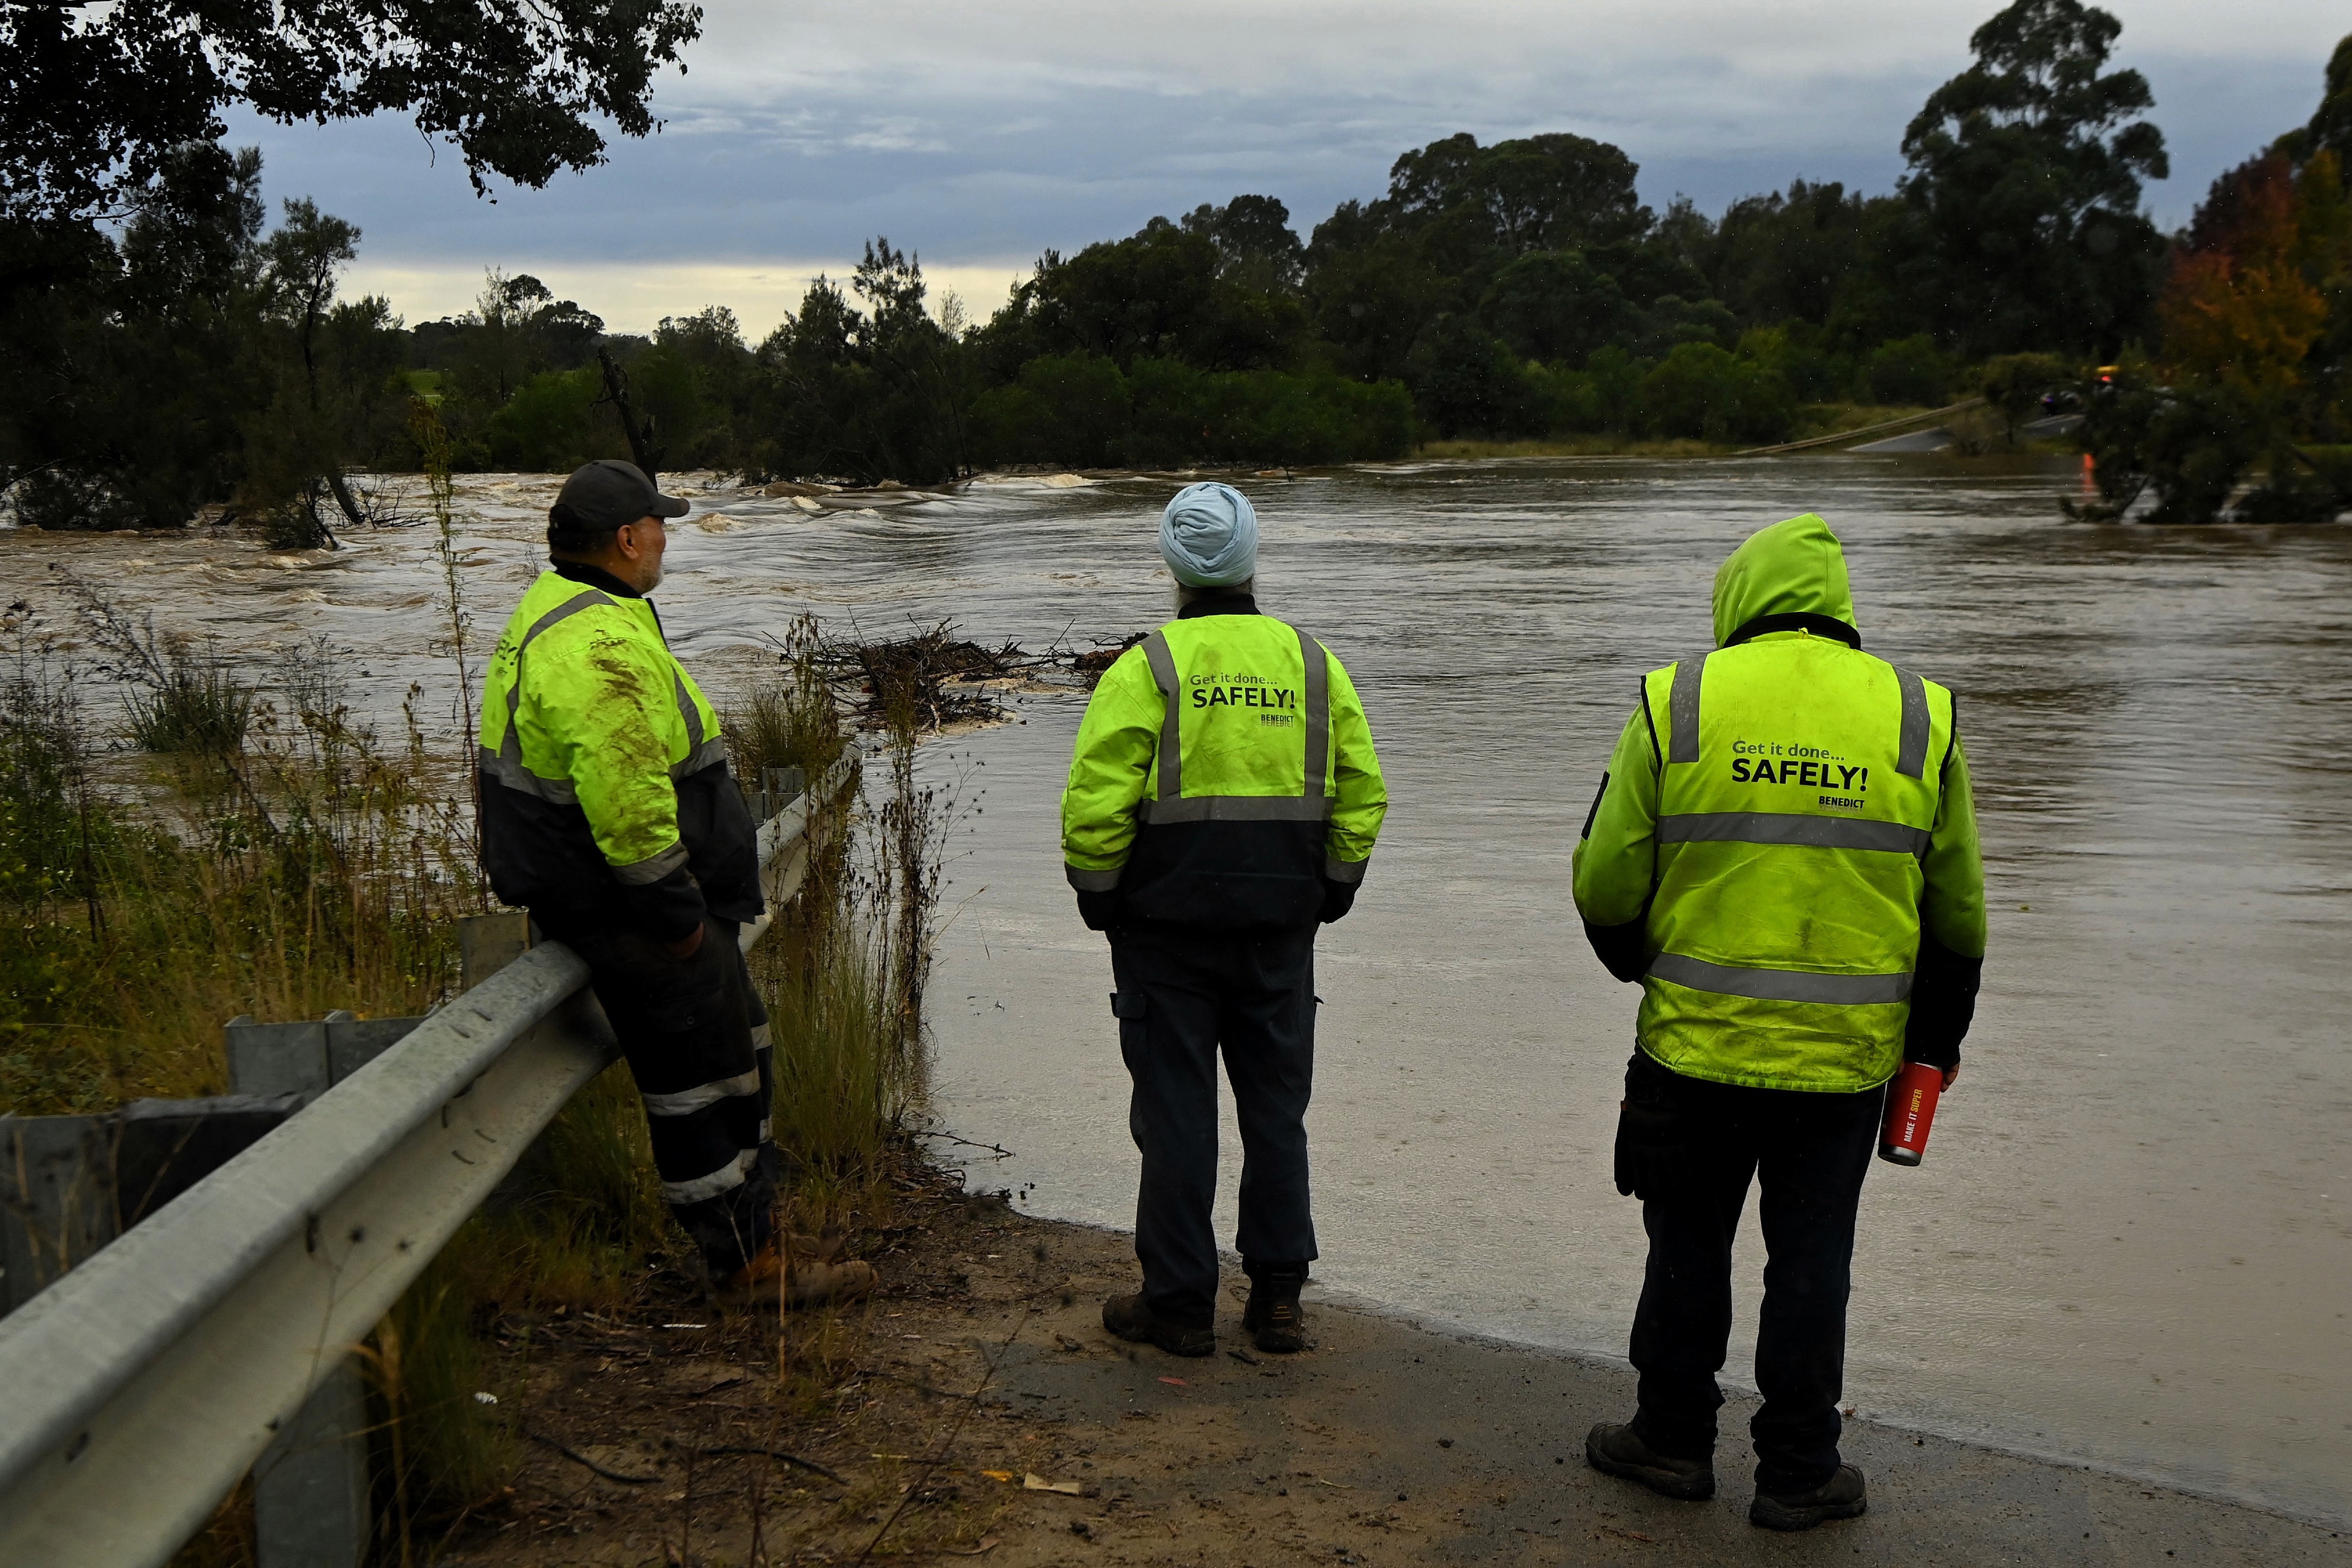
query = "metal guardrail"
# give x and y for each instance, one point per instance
(138, 1389)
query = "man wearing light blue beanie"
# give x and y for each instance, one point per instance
(1223, 801)
(1208, 536)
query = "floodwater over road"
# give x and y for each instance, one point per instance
(2131, 1243)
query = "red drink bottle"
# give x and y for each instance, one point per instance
(1910, 1111)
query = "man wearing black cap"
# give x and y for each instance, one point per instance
(607, 812)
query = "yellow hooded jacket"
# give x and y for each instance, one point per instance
(1784, 849)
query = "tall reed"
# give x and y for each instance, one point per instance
(312, 866)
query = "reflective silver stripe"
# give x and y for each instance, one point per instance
(1788, 827)
(1236, 808)
(510, 745)
(1094, 881)
(703, 755)
(762, 1037)
(763, 1138)
(1683, 710)
(515, 776)
(725, 1179)
(1782, 984)
(687, 710)
(1911, 757)
(653, 868)
(687, 1102)
(1318, 666)
(1347, 871)
(1171, 744)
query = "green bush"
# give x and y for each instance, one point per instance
(1072, 409)
(2192, 445)
(1910, 370)
(1466, 383)
(1701, 390)
(551, 424)
(1616, 388)
(1571, 400)
(1082, 411)
(1264, 416)
(1796, 353)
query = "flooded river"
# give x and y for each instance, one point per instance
(2132, 1241)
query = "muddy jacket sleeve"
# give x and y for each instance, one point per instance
(620, 746)
(1617, 855)
(1951, 925)
(1110, 771)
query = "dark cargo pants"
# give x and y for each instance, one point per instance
(1809, 1153)
(696, 1036)
(1180, 997)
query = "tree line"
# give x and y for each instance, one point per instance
(195, 354)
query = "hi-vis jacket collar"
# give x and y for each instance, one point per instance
(1218, 604)
(590, 576)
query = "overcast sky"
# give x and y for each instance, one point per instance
(979, 136)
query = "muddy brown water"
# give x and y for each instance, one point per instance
(2131, 1243)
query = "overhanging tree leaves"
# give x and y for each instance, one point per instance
(2025, 173)
(95, 98)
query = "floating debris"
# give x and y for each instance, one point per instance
(944, 679)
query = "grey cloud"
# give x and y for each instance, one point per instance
(981, 135)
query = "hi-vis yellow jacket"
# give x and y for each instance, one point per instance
(605, 796)
(1223, 774)
(1784, 848)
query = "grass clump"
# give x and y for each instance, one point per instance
(308, 865)
(310, 871)
(181, 697)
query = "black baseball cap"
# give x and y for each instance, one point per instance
(602, 496)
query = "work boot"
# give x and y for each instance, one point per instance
(1615, 1451)
(1273, 1318)
(1841, 1496)
(827, 1284)
(764, 1283)
(1132, 1319)
(825, 1247)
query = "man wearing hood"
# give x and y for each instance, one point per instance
(1783, 853)
(1223, 801)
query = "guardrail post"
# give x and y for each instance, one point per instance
(311, 1505)
(56, 1199)
(488, 943)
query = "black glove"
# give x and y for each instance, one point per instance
(1652, 1135)
(1339, 898)
(1099, 910)
(1943, 1005)
(1623, 950)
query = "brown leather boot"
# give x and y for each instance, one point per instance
(765, 1284)
(814, 1284)
(757, 1286)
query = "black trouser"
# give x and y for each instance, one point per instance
(696, 1036)
(1808, 1152)
(1181, 996)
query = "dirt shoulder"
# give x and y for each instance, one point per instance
(982, 1362)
